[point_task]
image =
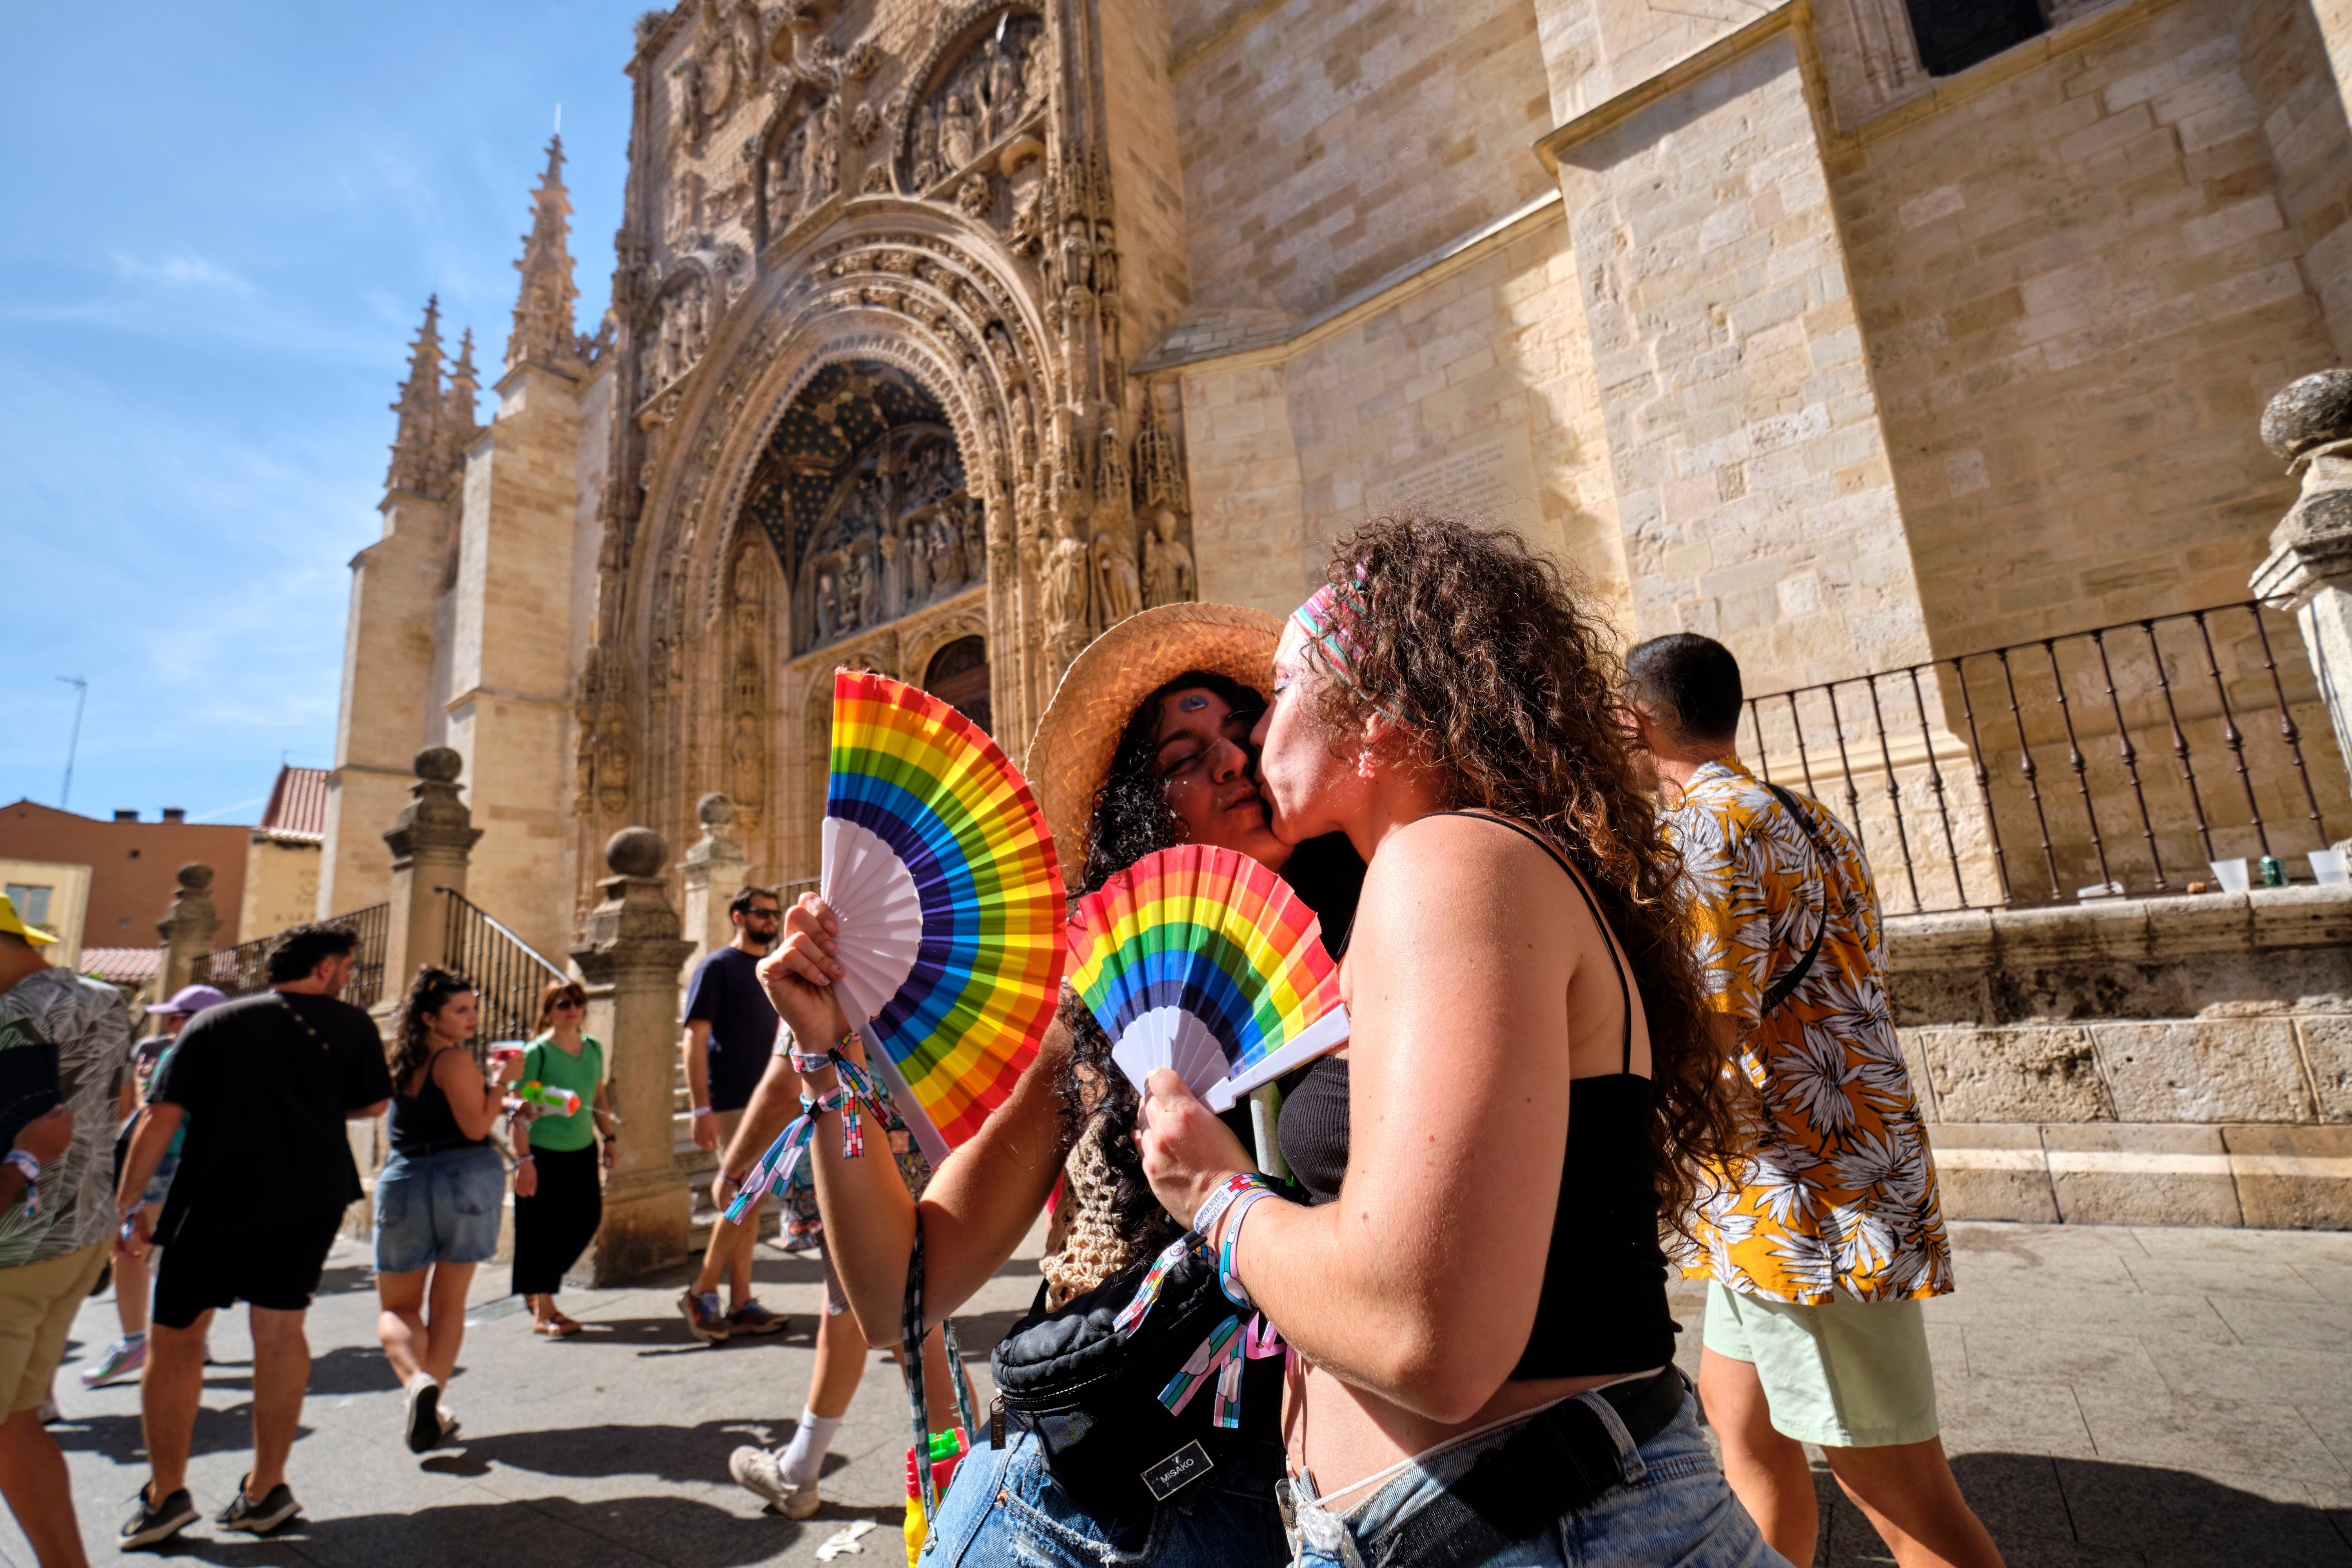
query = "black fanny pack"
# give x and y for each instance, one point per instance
(1093, 1392)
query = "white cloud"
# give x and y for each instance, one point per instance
(184, 270)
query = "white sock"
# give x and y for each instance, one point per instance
(804, 1455)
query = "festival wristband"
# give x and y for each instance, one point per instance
(525, 1160)
(1227, 1280)
(702, 1110)
(24, 1161)
(1205, 1223)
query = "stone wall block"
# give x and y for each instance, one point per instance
(2016, 1075)
(2239, 1070)
(1996, 1172)
(2293, 1178)
(2327, 1057)
(2141, 1176)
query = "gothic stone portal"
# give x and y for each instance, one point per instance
(861, 490)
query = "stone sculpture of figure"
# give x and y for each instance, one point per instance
(1062, 595)
(828, 608)
(783, 183)
(865, 584)
(746, 765)
(1078, 256)
(1003, 78)
(1167, 575)
(918, 566)
(958, 133)
(688, 76)
(975, 544)
(820, 157)
(947, 552)
(1025, 428)
(1115, 580)
(749, 48)
(1106, 261)
(927, 147)
(1034, 79)
(893, 592)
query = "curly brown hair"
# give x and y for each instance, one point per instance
(427, 995)
(1510, 685)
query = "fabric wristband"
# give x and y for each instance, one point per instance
(702, 1110)
(1231, 1187)
(24, 1161)
(1227, 1280)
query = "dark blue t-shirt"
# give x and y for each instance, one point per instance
(725, 991)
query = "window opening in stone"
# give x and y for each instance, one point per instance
(1953, 35)
(959, 677)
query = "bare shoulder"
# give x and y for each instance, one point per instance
(1475, 870)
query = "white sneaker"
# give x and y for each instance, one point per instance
(755, 1470)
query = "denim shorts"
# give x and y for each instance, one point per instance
(1673, 1506)
(159, 1185)
(1005, 1507)
(442, 1208)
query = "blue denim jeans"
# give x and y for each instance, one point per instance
(1005, 1507)
(442, 1208)
(1672, 1507)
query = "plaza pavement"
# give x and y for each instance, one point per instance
(2111, 1397)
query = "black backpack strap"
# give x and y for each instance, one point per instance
(1780, 990)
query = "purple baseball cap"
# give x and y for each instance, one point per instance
(191, 999)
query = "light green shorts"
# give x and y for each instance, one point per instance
(1846, 1374)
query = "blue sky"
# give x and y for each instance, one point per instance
(223, 221)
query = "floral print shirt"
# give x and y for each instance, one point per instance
(1841, 1194)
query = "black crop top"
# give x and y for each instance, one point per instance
(422, 1122)
(1602, 1308)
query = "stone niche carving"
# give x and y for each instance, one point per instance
(900, 531)
(675, 326)
(799, 160)
(722, 67)
(975, 123)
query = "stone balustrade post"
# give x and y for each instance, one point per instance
(2309, 568)
(629, 957)
(187, 929)
(715, 869)
(431, 839)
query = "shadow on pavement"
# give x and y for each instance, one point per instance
(351, 1369)
(552, 1532)
(682, 1454)
(2096, 1513)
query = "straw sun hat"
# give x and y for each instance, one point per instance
(1071, 754)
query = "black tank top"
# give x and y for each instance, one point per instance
(423, 1123)
(1602, 1309)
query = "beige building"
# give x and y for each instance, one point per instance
(942, 336)
(282, 860)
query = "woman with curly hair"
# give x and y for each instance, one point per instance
(1475, 1297)
(438, 1198)
(1145, 746)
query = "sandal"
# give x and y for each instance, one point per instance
(555, 1328)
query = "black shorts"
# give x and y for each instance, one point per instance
(274, 1265)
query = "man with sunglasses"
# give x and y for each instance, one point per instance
(730, 1032)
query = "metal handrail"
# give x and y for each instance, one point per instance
(242, 969)
(2178, 682)
(508, 972)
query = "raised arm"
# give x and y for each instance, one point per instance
(1459, 1068)
(982, 1198)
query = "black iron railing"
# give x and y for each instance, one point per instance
(790, 892)
(508, 972)
(2070, 766)
(243, 970)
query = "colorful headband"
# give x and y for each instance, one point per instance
(1328, 617)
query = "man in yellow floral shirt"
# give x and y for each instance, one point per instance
(1820, 1253)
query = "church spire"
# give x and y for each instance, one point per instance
(542, 316)
(414, 443)
(457, 426)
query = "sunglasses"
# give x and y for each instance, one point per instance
(759, 914)
(564, 1004)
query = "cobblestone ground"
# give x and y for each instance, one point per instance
(2110, 1397)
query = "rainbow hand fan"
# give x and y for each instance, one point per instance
(1205, 961)
(942, 872)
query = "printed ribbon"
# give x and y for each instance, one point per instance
(776, 1167)
(1149, 1291)
(1222, 1354)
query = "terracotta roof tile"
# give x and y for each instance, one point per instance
(297, 805)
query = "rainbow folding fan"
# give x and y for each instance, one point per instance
(942, 872)
(1203, 961)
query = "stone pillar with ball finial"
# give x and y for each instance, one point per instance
(715, 869)
(629, 956)
(187, 929)
(2309, 568)
(431, 840)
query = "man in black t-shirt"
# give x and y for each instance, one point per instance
(264, 1085)
(730, 1032)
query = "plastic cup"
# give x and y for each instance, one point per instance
(2231, 874)
(2328, 866)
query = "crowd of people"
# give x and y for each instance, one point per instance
(1617, 1008)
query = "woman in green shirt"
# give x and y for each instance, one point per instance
(559, 1195)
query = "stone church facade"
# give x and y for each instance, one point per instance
(1854, 332)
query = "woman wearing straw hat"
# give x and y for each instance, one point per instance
(1144, 746)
